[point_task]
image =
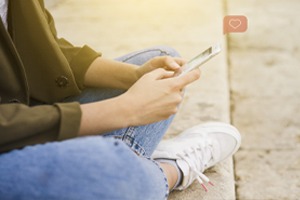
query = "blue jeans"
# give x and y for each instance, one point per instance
(114, 166)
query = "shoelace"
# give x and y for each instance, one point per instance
(202, 154)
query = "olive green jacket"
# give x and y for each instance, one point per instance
(55, 69)
(34, 63)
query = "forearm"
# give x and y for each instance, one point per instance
(113, 74)
(107, 73)
(104, 116)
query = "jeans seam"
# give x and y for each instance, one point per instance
(146, 51)
(129, 139)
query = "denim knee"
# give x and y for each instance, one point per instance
(83, 168)
(167, 50)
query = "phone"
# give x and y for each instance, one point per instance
(201, 58)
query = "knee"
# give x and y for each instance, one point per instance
(168, 51)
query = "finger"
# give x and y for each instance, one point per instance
(168, 62)
(160, 73)
(174, 63)
(188, 78)
(180, 61)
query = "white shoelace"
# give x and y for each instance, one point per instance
(197, 158)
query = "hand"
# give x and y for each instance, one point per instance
(166, 62)
(156, 96)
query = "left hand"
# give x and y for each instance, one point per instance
(166, 62)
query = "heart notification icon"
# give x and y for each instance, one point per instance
(235, 24)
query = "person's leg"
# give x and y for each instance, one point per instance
(102, 168)
(142, 139)
(171, 172)
(197, 149)
(84, 168)
(142, 56)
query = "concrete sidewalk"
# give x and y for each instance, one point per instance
(265, 88)
(117, 27)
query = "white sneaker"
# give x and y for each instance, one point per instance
(199, 148)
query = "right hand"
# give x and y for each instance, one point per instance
(156, 96)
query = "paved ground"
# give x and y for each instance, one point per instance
(255, 85)
(265, 88)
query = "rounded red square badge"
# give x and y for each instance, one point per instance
(235, 24)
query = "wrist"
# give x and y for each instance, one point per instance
(125, 104)
(104, 116)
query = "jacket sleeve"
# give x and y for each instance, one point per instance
(79, 58)
(21, 125)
